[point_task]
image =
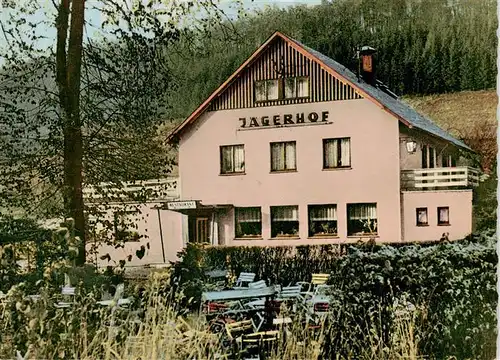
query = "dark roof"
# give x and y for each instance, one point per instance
(397, 106)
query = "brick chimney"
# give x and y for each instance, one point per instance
(367, 64)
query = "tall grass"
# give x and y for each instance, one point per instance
(158, 332)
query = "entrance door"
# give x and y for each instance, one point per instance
(201, 230)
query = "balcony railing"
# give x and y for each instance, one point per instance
(162, 189)
(450, 177)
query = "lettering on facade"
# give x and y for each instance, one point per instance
(284, 120)
(180, 205)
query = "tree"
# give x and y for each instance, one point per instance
(82, 103)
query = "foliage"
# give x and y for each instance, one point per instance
(424, 47)
(453, 285)
(78, 110)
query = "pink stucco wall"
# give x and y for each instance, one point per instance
(149, 225)
(374, 175)
(459, 202)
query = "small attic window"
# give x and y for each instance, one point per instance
(297, 87)
(266, 90)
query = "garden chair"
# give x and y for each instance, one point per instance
(317, 280)
(261, 284)
(117, 300)
(244, 278)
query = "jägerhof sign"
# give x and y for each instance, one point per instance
(284, 120)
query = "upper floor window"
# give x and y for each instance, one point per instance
(337, 153)
(276, 89)
(248, 222)
(297, 87)
(283, 156)
(362, 219)
(125, 228)
(232, 159)
(322, 220)
(428, 157)
(267, 90)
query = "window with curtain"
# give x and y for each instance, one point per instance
(337, 153)
(284, 221)
(125, 226)
(248, 222)
(283, 156)
(443, 215)
(266, 90)
(322, 220)
(232, 159)
(296, 87)
(422, 217)
(362, 219)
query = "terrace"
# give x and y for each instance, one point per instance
(440, 178)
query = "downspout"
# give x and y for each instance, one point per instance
(161, 236)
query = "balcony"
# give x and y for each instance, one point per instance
(158, 190)
(439, 178)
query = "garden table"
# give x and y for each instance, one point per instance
(239, 294)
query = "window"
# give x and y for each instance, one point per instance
(337, 153)
(266, 90)
(297, 87)
(322, 220)
(232, 159)
(284, 221)
(428, 157)
(422, 217)
(443, 215)
(283, 157)
(361, 219)
(125, 227)
(248, 222)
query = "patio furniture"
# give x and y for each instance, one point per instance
(244, 278)
(317, 280)
(257, 285)
(117, 299)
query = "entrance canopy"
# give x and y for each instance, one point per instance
(193, 207)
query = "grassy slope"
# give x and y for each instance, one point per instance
(456, 112)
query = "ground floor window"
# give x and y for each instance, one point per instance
(422, 217)
(444, 215)
(248, 222)
(284, 221)
(362, 219)
(322, 220)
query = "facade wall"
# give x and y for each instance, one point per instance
(460, 214)
(374, 175)
(148, 224)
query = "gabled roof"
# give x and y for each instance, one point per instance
(401, 110)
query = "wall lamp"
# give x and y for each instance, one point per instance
(411, 146)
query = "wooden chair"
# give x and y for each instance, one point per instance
(317, 280)
(244, 278)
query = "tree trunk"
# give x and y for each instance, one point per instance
(68, 72)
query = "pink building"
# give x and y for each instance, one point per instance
(296, 149)
(293, 148)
